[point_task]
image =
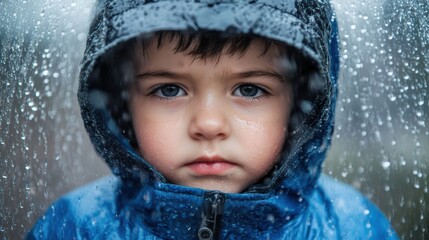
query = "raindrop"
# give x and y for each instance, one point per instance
(98, 99)
(45, 73)
(385, 164)
(271, 218)
(402, 161)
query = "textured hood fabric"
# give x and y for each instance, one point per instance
(308, 26)
(296, 203)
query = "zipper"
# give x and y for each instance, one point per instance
(211, 215)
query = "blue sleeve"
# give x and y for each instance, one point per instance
(86, 213)
(56, 223)
(356, 216)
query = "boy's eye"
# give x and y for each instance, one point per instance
(169, 90)
(248, 90)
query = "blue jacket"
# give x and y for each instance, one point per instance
(298, 202)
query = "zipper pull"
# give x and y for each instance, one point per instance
(212, 214)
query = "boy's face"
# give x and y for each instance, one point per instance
(215, 124)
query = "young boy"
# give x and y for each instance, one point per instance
(215, 116)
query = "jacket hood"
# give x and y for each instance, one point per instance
(307, 26)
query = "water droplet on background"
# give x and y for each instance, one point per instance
(384, 57)
(38, 68)
(384, 61)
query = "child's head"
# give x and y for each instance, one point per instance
(215, 122)
(208, 110)
(217, 43)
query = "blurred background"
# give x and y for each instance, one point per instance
(381, 139)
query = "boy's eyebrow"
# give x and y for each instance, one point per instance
(260, 73)
(161, 73)
(246, 74)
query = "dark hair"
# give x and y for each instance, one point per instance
(115, 71)
(208, 44)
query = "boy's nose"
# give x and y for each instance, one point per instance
(209, 120)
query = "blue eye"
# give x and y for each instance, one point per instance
(169, 91)
(248, 91)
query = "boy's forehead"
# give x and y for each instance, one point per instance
(198, 48)
(153, 54)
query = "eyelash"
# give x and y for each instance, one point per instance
(159, 88)
(262, 92)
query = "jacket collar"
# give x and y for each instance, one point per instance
(170, 211)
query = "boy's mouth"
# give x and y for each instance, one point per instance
(209, 166)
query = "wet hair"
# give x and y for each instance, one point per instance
(208, 44)
(115, 70)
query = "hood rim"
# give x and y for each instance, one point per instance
(100, 133)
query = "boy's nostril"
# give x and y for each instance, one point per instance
(206, 127)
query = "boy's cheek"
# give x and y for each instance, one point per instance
(156, 139)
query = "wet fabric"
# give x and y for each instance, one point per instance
(297, 201)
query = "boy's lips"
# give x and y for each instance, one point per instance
(209, 166)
